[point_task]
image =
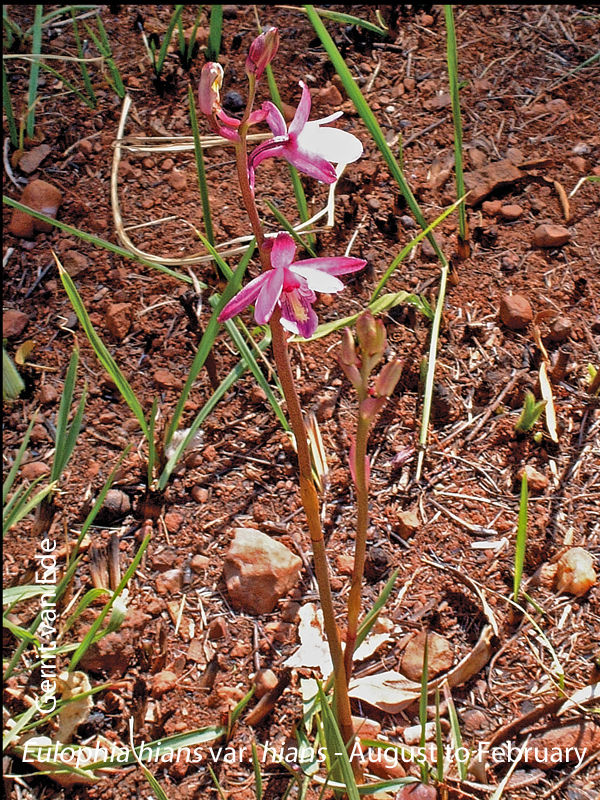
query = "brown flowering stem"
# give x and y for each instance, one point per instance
(360, 543)
(308, 492)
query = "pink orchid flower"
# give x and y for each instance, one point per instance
(291, 285)
(309, 146)
(209, 102)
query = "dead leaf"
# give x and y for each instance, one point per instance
(564, 200)
(76, 711)
(388, 691)
(24, 351)
(546, 392)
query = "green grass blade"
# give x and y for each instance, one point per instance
(200, 171)
(60, 590)
(180, 37)
(217, 395)
(70, 86)
(24, 506)
(100, 349)
(349, 19)
(439, 744)
(86, 600)
(8, 110)
(162, 54)
(452, 58)
(95, 626)
(190, 48)
(521, 545)
(62, 420)
(34, 73)
(82, 65)
(455, 733)
(210, 332)
(114, 71)
(337, 747)
(370, 121)
(152, 455)
(412, 244)
(10, 478)
(215, 31)
(287, 225)
(97, 241)
(11, 595)
(257, 773)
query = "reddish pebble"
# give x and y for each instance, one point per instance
(511, 212)
(48, 395)
(34, 469)
(549, 235)
(200, 494)
(491, 207)
(13, 323)
(515, 311)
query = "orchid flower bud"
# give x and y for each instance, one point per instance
(371, 336)
(388, 378)
(262, 52)
(211, 80)
(348, 350)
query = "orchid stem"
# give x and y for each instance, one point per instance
(360, 545)
(308, 492)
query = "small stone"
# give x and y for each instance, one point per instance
(477, 158)
(491, 207)
(482, 182)
(163, 682)
(373, 203)
(376, 563)
(75, 263)
(575, 572)
(166, 380)
(549, 235)
(167, 165)
(330, 95)
(173, 521)
(475, 721)
(42, 197)
(169, 582)
(257, 395)
(34, 469)
(217, 629)
(289, 611)
(438, 102)
(440, 656)
(265, 680)
(31, 160)
(412, 734)
(427, 20)
(116, 505)
(118, 319)
(200, 494)
(409, 84)
(163, 560)
(417, 791)
(408, 524)
(345, 563)
(48, 394)
(111, 654)
(177, 180)
(13, 323)
(536, 481)
(579, 163)
(86, 147)
(408, 222)
(560, 329)
(515, 155)
(510, 262)
(511, 212)
(233, 101)
(199, 563)
(515, 311)
(259, 571)
(39, 433)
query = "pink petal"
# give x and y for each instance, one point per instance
(297, 314)
(283, 251)
(269, 295)
(275, 119)
(319, 280)
(268, 149)
(310, 164)
(302, 112)
(257, 116)
(243, 298)
(335, 265)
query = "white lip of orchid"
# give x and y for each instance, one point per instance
(331, 144)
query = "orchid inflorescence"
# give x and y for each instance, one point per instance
(311, 148)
